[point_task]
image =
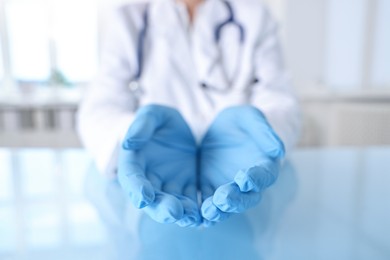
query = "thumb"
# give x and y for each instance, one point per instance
(259, 176)
(255, 124)
(147, 121)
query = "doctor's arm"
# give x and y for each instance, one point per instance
(272, 94)
(145, 149)
(107, 108)
(268, 127)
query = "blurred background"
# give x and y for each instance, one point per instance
(338, 52)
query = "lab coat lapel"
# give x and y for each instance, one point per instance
(192, 56)
(207, 53)
(169, 27)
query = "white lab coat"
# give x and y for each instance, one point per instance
(177, 58)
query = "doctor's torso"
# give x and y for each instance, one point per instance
(182, 64)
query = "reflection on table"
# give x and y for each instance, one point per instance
(327, 204)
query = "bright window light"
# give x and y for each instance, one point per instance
(381, 62)
(345, 43)
(1, 63)
(27, 24)
(75, 35)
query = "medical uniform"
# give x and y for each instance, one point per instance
(182, 65)
(199, 68)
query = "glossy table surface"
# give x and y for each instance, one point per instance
(326, 204)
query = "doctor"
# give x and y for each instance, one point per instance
(192, 98)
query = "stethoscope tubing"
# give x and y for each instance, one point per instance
(134, 84)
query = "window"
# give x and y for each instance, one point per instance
(75, 39)
(380, 71)
(1, 64)
(27, 27)
(344, 53)
(50, 42)
(340, 45)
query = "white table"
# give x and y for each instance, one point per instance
(328, 204)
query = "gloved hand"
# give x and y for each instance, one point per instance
(239, 157)
(157, 166)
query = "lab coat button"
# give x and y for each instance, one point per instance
(134, 86)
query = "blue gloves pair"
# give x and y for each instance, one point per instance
(162, 169)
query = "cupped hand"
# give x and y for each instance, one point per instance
(157, 166)
(239, 157)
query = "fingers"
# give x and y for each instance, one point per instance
(188, 198)
(166, 208)
(211, 212)
(258, 177)
(207, 223)
(169, 208)
(229, 198)
(133, 181)
(242, 194)
(191, 216)
(226, 200)
(206, 191)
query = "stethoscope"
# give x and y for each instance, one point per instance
(135, 85)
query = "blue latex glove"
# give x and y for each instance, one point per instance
(239, 157)
(157, 166)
